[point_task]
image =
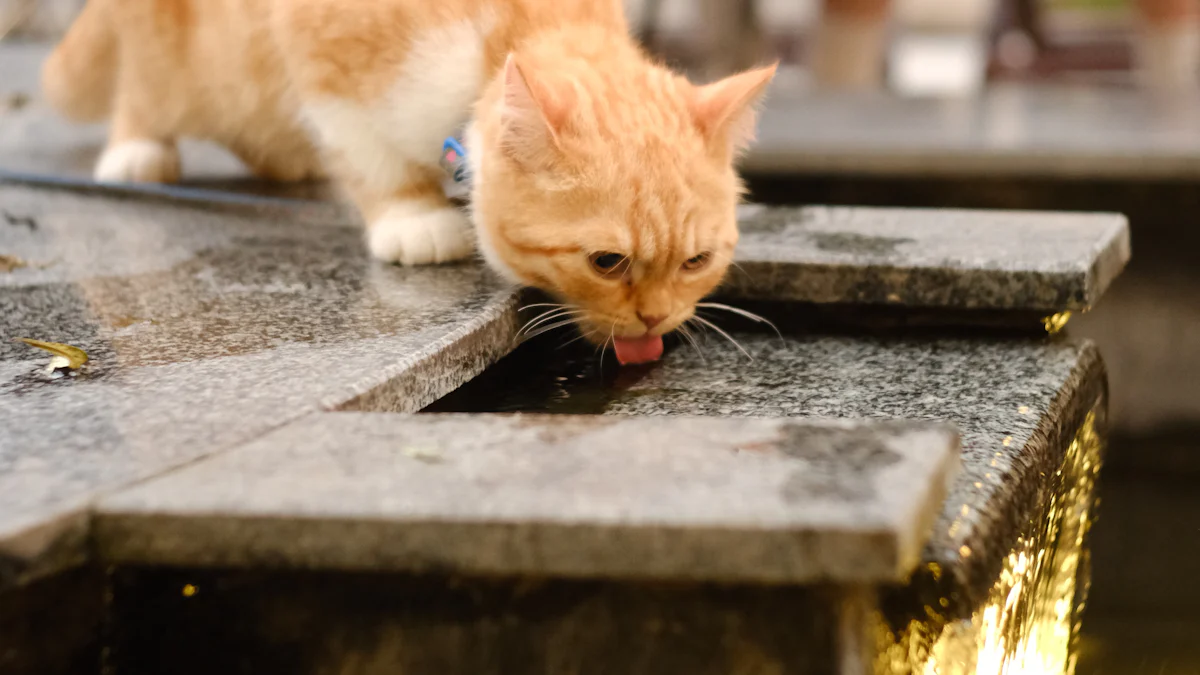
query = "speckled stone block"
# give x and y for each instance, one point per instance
(212, 318)
(927, 258)
(1017, 404)
(634, 498)
(205, 328)
(923, 259)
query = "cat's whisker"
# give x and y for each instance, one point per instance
(557, 305)
(547, 329)
(612, 336)
(725, 335)
(563, 314)
(539, 316)
(687, 335)
(601, 349)
(554, 307)
(700, 325)
(548, 316)
(732, 262)
(577, 338)
(741, 312)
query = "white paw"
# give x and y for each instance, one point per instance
(138, 161)
(414, 235)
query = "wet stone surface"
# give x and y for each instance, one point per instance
(203, 330)
(1016, 403)
(234, 328)
(209, 326)
(926, 258)
(709, 499)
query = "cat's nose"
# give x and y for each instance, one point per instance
(651, 321)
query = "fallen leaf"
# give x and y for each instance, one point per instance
(424, 455)
(16, 100)
(65, 356)
(9, 263)
(127, 321)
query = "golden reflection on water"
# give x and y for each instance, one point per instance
(1030, 622)
(1056, 322)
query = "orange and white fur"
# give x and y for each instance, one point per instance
(597, 175)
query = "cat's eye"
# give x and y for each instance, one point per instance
(696, 262)
(608, 265)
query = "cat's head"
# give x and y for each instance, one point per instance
(613, 191)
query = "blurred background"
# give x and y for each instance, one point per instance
(1015, 104)
(922, 47)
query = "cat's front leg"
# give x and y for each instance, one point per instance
(138, 160)
(135, 152)
(415, 233)
(385, 157)
(414, 223)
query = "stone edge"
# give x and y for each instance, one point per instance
(1076, 290)
(1110, 261)
(442, 367)
(337, 543)
(1084, 391)
(62, 539)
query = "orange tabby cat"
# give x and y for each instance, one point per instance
(597, 175)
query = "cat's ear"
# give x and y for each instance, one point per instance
(725, 110)
(532, 117)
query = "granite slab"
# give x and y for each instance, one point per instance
(1055, 131)
(925, 259)
(206, 327)
(1017, 404)
(929, 258)
(616, 498)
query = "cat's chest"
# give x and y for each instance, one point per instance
(444, 69)
(430, 97)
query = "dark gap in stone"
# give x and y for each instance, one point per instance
(548, 375)
(54, 625)
(294, 622)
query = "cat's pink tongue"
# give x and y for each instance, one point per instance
(638, 350)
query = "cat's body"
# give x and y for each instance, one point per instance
(162, 70)
(579, 145)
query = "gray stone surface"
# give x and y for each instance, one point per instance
(680, 499)
(916, 258)
(943, 258)
(1016, 403)
(1056, 131)
(205, 329)
(210, 324)
(210, 328)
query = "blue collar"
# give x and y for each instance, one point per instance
(454, 159)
